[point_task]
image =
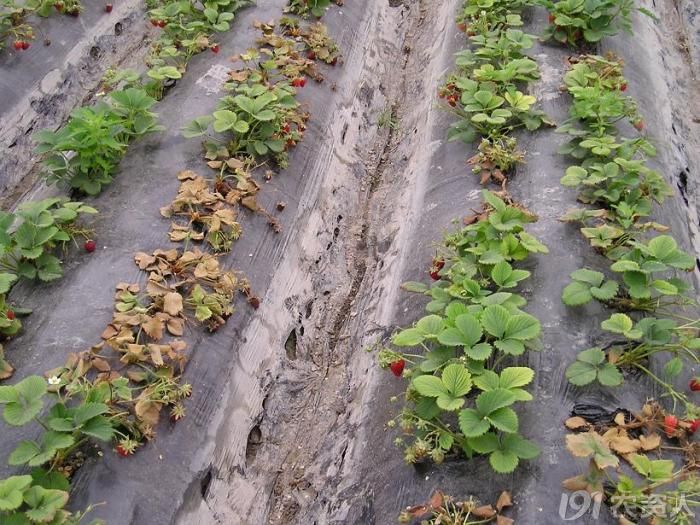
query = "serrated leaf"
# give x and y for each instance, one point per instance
(503, 461)
(408, 337)
(457, 380)
(429, 386)
(504, 419)
(494, 319)
(472, 424)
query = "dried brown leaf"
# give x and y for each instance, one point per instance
(154, 328)
(650, 442)
(576, 423)
(147, 411)
(484, 512)
(504, 500)
(172, 303)
(101, 364)
(109, 332)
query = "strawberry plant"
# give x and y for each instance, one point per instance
(446, 510)
(186, 31)
(472, 320)
(662, 488)
(611, 174)
(644, 284)
(637, 343)
(208, 216)
(254, 118)
(66, 428)
(573, 22)
(261, 119)
(37, 498)
(85, 152)
(46, 7)
(29, 236)
(13, 25)
(303, 7)
(482, 16)
(486, 91)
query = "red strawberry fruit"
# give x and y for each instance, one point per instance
(108, 8)
(18, 45)
(154, 22)
(90, 246)
(10, 315)
(162, 23)
(670, 424)
(694, 425)
(551, 19)
(397, 367)
(638, 125)
(462, 27)
(215, 48)
(122, 451)
(25, 45)
(311, 55)
(694, 384)
(623, 86)
(452, 100)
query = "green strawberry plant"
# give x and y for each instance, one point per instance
(635, 345)
(261, 119)
(29, 236)
(644, 285)
(65, 428)
(254, 119)
(85, 152)
(574, 22)
(481, 16)
(473, 321)
(612, 174)
(487, 90)
(38, 498)
(316, 8)
(45, 7)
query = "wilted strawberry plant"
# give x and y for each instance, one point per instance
(208, 216)
(652, 484)
(473, 321)
(446, 510)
